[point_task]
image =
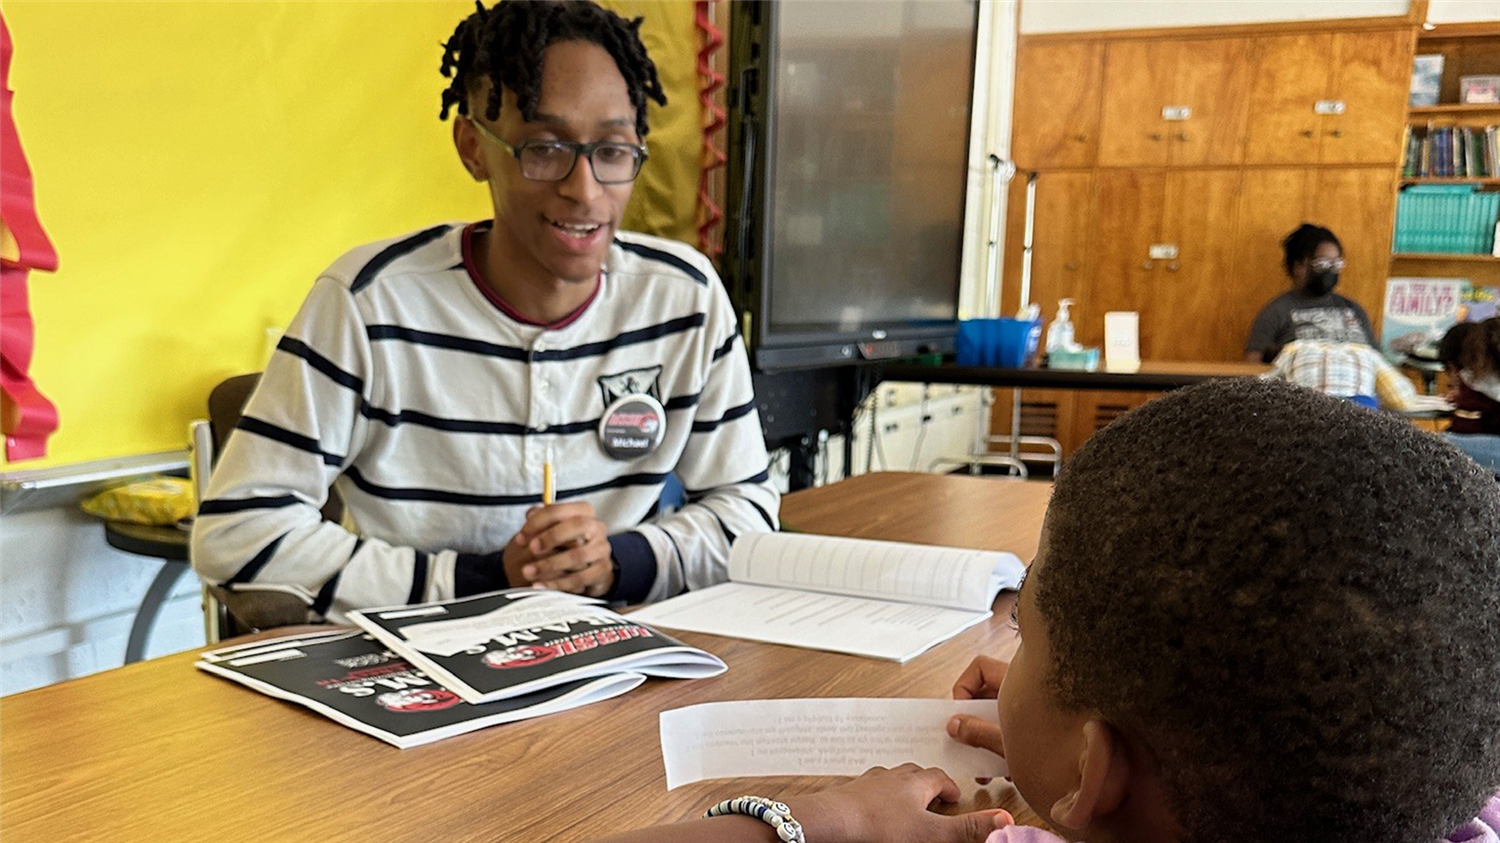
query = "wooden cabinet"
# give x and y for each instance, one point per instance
(1178, 296)
(1372, 77)
(1139, 79)
(1060, 260)
(1359, 205)
(1291, 74)
(1056, 110)
(1329, 98)
(1174, 103)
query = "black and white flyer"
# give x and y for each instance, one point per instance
(349, 677)
(508, 643)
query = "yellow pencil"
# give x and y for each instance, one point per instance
(549, 485)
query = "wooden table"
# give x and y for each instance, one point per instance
(1152, 376)
(157, 751)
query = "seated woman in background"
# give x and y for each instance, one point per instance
(1310, 310)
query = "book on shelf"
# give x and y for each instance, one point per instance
(350, 678)
(510, 643)
(867, 598)
(1452, 152)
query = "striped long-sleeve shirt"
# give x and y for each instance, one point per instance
(430, 407)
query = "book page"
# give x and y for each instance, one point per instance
(938, 576)
(860, 626)
(820, 737)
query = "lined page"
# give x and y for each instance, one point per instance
(912, 573)
(859, 626)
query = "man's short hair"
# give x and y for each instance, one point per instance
(1293, 602)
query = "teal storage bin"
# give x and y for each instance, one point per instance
(1446, 218)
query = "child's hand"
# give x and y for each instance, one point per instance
(979, 681)
(891, 805)
(563, 546)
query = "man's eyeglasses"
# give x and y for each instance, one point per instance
(554, 160)
(1326, 264)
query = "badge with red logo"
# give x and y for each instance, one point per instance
(632, 427)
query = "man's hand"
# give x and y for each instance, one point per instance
(564, 546)
(891, 805)
(979, 681)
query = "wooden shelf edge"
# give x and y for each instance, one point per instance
(1454, 108)
(1443, 256)
(1454, 180)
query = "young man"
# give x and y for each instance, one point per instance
(433, 378)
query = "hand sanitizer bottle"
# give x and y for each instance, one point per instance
(1060, 332)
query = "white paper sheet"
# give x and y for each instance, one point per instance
(958, 578)
(819, 737)
(881, 629)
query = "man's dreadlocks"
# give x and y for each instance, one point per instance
(506, 42)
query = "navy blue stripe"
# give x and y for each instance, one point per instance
(649, 253)
(260, 427)
(682, 402)
(634, 337)
(422, 419)
(416, 337)
(321, 363)
(728, 533)
(467, 499)
(224, 506)
(325, 594)
(418, 579)
(726, 347)
(510, 352)
(401, 247)
(765, 516)
(729, 415)
(253, 567)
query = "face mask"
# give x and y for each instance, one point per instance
(1321, 283)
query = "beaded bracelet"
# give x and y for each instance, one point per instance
(775, 814)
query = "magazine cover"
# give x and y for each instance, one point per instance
(347, 676)
(495, 646)
(1418, 311)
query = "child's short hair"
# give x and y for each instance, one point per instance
(1293, 602)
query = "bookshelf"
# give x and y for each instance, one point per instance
(1467, 50)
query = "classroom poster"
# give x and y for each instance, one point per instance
(1418, 311)
(1479, 304)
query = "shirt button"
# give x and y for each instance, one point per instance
(541, 428)
(541, 386)
(541, 345)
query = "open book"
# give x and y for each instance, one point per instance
(508, 643)
(868, 598)
(349, 677)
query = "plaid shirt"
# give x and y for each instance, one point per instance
(1344, 370)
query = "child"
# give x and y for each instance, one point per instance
(1258, 613)
(1471, 353)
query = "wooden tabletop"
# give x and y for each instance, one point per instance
(1150, 376)
(158, 751)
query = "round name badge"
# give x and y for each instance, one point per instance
(632, 427)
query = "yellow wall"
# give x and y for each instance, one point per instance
(197, 164)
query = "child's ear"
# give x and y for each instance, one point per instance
(1103, 779)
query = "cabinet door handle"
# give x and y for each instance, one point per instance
(1338, 133)
(1071, 266)
(1173, 266)
(1307, 133)
(1147, 265)
(1182, 136)
(1156, 136)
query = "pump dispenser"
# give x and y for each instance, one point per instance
(1060, 332)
